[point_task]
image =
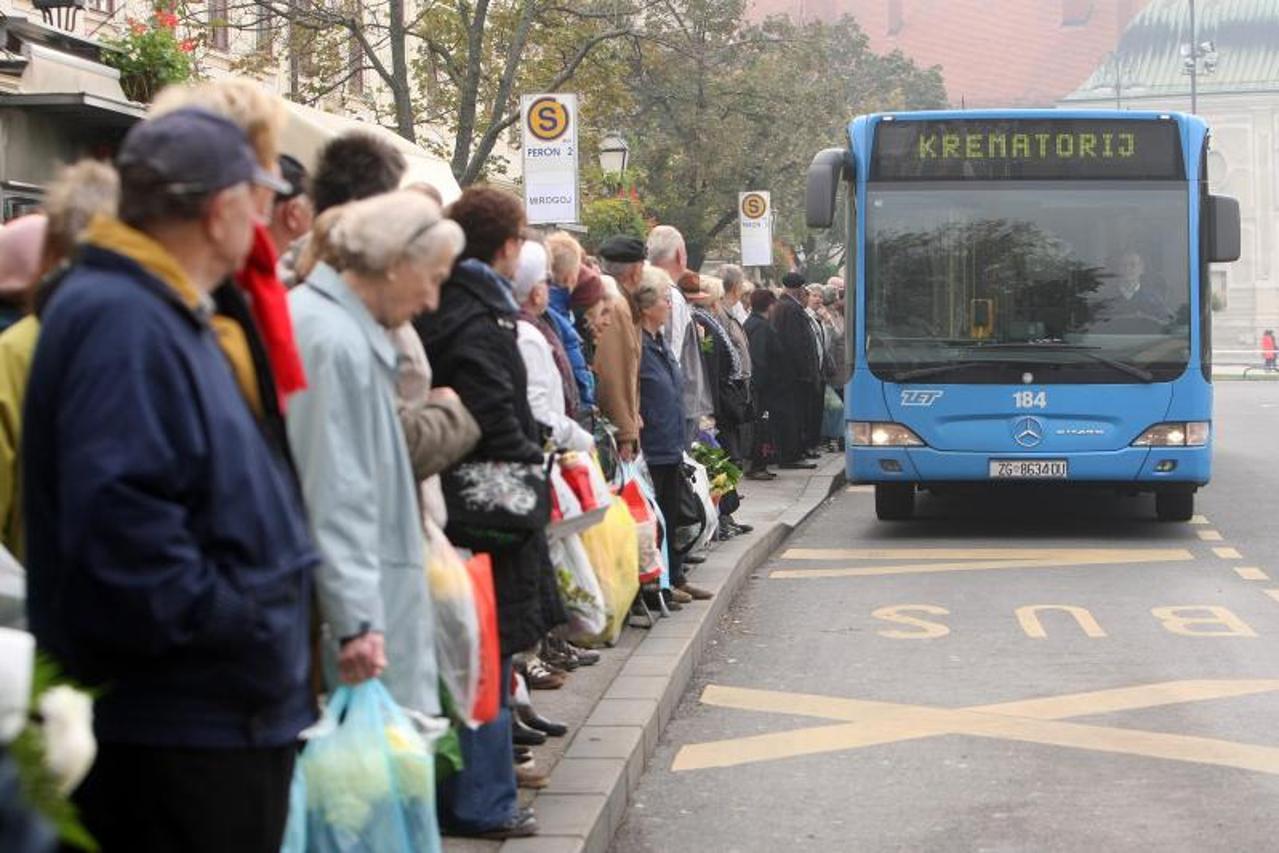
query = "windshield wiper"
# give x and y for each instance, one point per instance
(937, 369)
(1115, 364)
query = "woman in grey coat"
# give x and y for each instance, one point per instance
(382, 263)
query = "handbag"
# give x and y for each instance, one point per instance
(496, 504)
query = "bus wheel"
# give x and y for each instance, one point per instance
(1174, 506)
(894, 501)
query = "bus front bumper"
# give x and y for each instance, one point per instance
(1140, 466)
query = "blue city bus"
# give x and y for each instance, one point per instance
(1028, 300)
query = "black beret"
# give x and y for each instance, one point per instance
(793, 279)
(623, 250)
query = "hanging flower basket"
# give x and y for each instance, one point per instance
(149, 55)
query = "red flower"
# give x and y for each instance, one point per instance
(187, 46)
(168, 20)
(137, 27)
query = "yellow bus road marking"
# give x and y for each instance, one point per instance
(1227, 553)
(1199, 519)
(1273, 593)
(969, 560)
(859, 490)
(1251, 573)
(860, 723)
(1210, 536)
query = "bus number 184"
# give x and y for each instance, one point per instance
(1031, 399)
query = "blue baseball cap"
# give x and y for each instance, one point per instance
(196, 152)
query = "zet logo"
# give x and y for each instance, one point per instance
(920, 398)
(754, 206)
(547, 119)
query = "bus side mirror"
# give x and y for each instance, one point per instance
(1224, 239)
(823, 184)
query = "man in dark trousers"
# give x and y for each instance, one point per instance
(170, 556)
(798, 373)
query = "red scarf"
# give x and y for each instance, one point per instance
(270, 305)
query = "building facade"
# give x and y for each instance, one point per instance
(1237, 83)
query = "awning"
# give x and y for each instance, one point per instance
(50, 70)
(103, 111)
(308, 129)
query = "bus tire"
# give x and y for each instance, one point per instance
(894, 501)
(1174, 506)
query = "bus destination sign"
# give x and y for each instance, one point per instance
(1027, 149)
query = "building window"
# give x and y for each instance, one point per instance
(219, 33)
(895, 17)
(106, 7)
(1075, 13)
(265, 32)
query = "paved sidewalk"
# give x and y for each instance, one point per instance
(617, 709)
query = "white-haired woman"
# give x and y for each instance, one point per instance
(383, 262)
(550, 373)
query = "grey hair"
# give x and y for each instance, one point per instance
(654, 285)
(80, 192)
(713, 288)
(373, 234)
(732, 275)
(664, 242)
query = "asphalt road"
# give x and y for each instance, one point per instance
(869, 690)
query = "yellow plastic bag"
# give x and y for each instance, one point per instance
(614, 553)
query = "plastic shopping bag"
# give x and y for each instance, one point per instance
(568, 514)
(579, 588)
(488, 697)
(457, 622)
(665, 542)
(369, 778)
(614, 554)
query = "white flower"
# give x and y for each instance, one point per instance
(17, 658)
(69, 747)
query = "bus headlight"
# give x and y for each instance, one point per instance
(875, 434)
(1179, 434)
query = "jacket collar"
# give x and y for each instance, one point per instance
(109, 234)
(329, 282)
(486, 285)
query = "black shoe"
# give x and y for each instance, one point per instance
(533, 720)
(694, 559)
(524, 735)
(761, 474)
(812, 454)
(739, 529)
(585, 657)
(798, 466)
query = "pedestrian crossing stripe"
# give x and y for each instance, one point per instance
(860, 723)
(932, 560)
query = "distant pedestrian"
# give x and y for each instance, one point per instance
(21, 244)
(565, 259)
(619, 347)
(796, 414)
(1268, 349)
(292, 212)
(668, 252)
(173, 569)
(766, 391)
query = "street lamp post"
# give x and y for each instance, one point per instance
(614, 152)
(1191, 54)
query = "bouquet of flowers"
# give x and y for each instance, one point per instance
(720, 470)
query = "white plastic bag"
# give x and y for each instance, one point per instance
(579, 587)
(702, 486)
(457, 627)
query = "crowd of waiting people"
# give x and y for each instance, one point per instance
(235, 398)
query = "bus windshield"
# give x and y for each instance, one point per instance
(983, 281)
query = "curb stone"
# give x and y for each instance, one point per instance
(590, 788)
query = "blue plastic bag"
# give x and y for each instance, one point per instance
(369, 779)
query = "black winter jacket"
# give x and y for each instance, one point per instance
(471, 343)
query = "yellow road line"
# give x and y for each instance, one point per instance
(1227, 553)
(1251, 573)
(1273, 593)
(973, 560)
(868, 723)
(1199, 519)
(1210, 536)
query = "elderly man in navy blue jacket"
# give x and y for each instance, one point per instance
(170, 558)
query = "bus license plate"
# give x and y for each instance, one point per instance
(1028, 469)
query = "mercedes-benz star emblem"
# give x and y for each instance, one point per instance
(1028, 432)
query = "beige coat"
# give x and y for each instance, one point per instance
(617, 359)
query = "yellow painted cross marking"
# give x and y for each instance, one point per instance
(1210, 536)
(1250, 573)
(926, 560)
(861, 723)
(1227, 553)
(1199, 519)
